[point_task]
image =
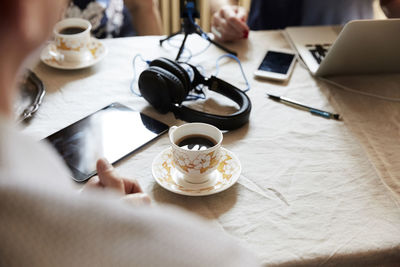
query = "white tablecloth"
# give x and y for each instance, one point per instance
(312, 190)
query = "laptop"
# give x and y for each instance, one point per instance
(360, 47)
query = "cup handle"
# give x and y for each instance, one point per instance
(171, 130)
(57, 56)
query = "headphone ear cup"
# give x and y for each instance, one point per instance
(175, 86)
(161, 88)
(175, 69)
(154, 89)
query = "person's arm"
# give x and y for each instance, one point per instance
(391, 8)
(228, 20)
(145, 15)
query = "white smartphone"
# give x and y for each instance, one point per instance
(277, 65)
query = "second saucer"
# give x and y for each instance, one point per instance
(53, 58)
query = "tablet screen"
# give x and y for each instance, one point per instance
(112, 132)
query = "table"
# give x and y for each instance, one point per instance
(312, 191)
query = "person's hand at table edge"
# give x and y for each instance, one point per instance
(229, 23)
(108, 178)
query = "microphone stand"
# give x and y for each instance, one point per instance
(189, 27)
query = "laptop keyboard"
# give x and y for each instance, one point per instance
(318, 51)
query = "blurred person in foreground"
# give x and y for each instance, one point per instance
(117, 18)
(45, 221)
(231, 22)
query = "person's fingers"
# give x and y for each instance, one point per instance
(137, 199)
(92, 183)
(225, 32)
(226, 36)
(108, 177)
(222, 31)
(216, 26)
(232, 29)
(217, 34)
(132, 186)
(227, 27)
(241, 13)
(228, 11)
(217, 19)
(234, 18)
(238, 27)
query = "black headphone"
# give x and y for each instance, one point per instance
(165, 85)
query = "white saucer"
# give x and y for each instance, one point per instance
(167, 176)
(51, 57)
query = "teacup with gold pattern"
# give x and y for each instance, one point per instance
(71, 37)
(196, 150)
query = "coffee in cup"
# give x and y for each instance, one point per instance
(72, 30)
(196, 142)
(196, 150)
(72, 37)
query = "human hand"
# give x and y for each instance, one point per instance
(391, 8)
(107, 178)
(229, 23)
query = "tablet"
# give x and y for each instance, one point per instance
(112, 133)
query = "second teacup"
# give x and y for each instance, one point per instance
(71, 37)
(196, 150)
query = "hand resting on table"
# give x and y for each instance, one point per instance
(108, 178)
(229, 23)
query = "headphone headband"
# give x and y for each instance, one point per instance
(227, 122)
(167, 95)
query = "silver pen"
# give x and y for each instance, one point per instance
(314, 111)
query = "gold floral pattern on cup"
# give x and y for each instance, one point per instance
(196, 165)
(74, 47)
(68, 45)
(203, 163)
